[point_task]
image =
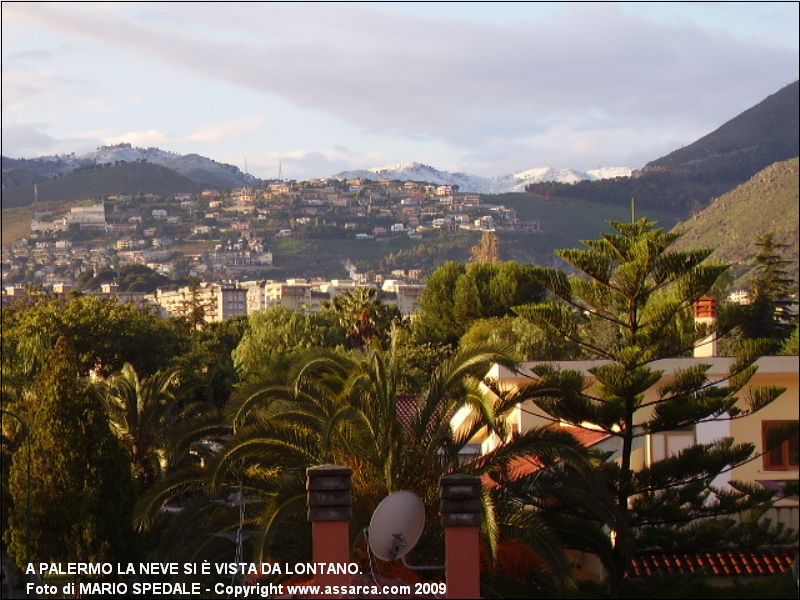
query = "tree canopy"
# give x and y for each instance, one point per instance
(456, 295)
(105, 334)
(81, 489)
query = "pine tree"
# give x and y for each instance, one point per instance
(196, 307)
(81, 489)
(769, 313)
(632, 281)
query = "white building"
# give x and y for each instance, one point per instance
(218, 301)
(87, 217)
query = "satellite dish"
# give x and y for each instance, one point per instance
(396, 525)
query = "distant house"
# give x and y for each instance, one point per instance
(87, 217)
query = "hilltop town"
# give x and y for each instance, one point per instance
(224, 236)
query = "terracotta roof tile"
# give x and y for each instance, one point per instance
(725, 563)
(521, 466)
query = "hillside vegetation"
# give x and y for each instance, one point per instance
(767, 203)
(97, 181)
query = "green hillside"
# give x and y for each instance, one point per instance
(768, 202)
(563, 222)
(100, 181)
(687, 179)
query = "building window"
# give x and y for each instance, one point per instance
(780, 455)
(670, 443)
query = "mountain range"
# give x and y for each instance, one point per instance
(503, 184)
(683, 182)
(107, 171)
(99, 180)
(686, 180)
(198, 170)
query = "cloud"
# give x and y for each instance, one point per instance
(217, 132)
(563, 88)
(148, 137)
(308, 164)
(29, 139)
(22, 82)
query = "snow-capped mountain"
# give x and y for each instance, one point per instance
(515, 182)
(414, 171)
(197, 168)
(609, 172)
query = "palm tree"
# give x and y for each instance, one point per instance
(362, 315)
(140, 411)
(344, 409)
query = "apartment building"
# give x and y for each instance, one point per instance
(218, 301)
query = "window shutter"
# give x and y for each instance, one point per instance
(775, 456)
(794, 448)
(784, 456)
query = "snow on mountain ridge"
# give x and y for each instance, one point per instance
(199, 168)
(515, 182)
(403, 166)
(610, 172)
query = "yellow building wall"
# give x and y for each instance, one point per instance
(749, 429)
(778, 371)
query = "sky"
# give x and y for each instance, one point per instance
(483, 88)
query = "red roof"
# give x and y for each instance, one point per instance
(527, 465)
(587, 437)
(725, 563)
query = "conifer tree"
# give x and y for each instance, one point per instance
(769, 313)
(632, 281)
(81, 489)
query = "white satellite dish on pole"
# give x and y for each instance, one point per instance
(396, 525)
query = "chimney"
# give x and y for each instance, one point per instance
(705, 313)
(461, 514)
(330, 510)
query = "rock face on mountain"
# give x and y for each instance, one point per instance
(687, 179)
(516, 182)
(766, 203)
